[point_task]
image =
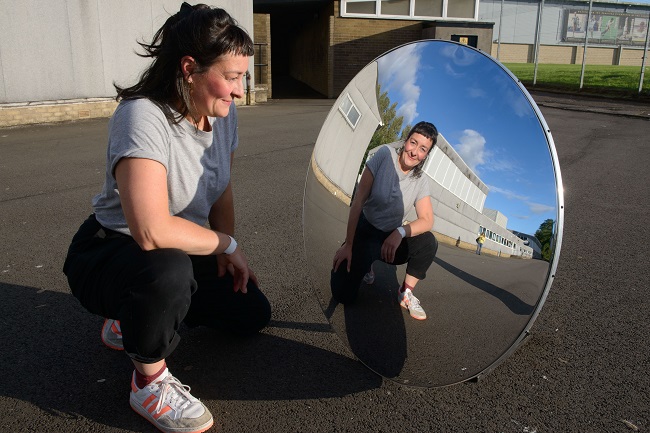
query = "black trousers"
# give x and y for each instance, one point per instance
(152, 292)
(418, 252)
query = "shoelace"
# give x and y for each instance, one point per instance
(413, 302)
(173, 390)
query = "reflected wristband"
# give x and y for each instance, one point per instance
(401, 231)
(232, 247)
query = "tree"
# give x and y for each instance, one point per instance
(390, 130)
(545, 236)
(405, 132)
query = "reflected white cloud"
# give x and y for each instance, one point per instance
(538, 208)
(472, 149)
(512, 97)
(398, 74)
(475, 92)
(506, 192)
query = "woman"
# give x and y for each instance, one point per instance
(390, 185)
(145, 259)
(480, 240)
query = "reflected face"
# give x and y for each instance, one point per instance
(416, 149)
(493, 170)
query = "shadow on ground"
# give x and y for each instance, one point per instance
(67, 372)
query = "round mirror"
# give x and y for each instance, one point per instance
(493, 171)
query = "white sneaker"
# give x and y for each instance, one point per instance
(168, 405)
(407, 300)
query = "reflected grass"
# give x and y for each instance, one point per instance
(604, 79)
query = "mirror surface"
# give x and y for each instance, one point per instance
(493, 170)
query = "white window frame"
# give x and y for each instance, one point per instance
(346, 114)
(410, 16)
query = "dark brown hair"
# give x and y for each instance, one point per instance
(198, 31)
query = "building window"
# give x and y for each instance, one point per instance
(411, 9)
(350, 111)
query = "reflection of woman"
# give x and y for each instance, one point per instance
(480, 240)
(390, 186)
(145, 259)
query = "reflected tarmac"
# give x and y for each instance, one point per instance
(477, 306)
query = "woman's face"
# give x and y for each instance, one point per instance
(416, 149)
(213, 90)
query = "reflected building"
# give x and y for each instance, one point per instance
(531, 241)
(458, 194)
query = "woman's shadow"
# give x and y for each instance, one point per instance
(53, 358)
(373, 325)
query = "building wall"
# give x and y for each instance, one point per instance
(262, 32)
(310, 53)
(569, 54)
(356, 42)
(67, 49)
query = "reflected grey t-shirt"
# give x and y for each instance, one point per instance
(394, 193)
(197, 162)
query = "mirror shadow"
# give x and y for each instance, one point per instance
(493, 181)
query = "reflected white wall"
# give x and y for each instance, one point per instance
(340, 148)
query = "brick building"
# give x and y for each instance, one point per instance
(324, 43)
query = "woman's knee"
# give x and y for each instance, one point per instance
(167, 273)
(430, 244)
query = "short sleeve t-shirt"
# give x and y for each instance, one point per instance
(394, 193)
(197, 162)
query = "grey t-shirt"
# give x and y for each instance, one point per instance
(197, 162)
(394, 193)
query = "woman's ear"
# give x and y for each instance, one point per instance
(188, 66)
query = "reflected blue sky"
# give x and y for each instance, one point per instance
(486, 118)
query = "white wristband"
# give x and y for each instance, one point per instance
(232, 247)
(401, 231)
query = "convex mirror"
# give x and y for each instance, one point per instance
(494, 170)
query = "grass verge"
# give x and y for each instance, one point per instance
(615, 81)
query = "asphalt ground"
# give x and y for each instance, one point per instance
(584, 368)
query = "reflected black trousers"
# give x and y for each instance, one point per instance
(417, 252)
(152, 292)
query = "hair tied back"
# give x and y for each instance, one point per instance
(185, 11)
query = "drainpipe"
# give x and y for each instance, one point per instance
(248, 88)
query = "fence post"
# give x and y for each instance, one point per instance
(584, 50)
(645, 54)
(537, 38)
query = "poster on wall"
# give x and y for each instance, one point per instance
(605, 27)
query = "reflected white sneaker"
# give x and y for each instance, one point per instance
(369, 278)
(112, 334)
(407, 300)
(168, 405)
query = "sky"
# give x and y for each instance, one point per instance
(486, 118)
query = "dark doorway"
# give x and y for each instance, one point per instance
(471, 40)
(290, 20)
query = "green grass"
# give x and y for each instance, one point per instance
(609, 80)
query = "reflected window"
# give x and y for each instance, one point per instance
(350, 111)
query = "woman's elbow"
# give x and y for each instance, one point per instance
(146, 240)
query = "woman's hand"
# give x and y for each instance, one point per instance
(389, 246)
(237, 265)
(343, 253)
